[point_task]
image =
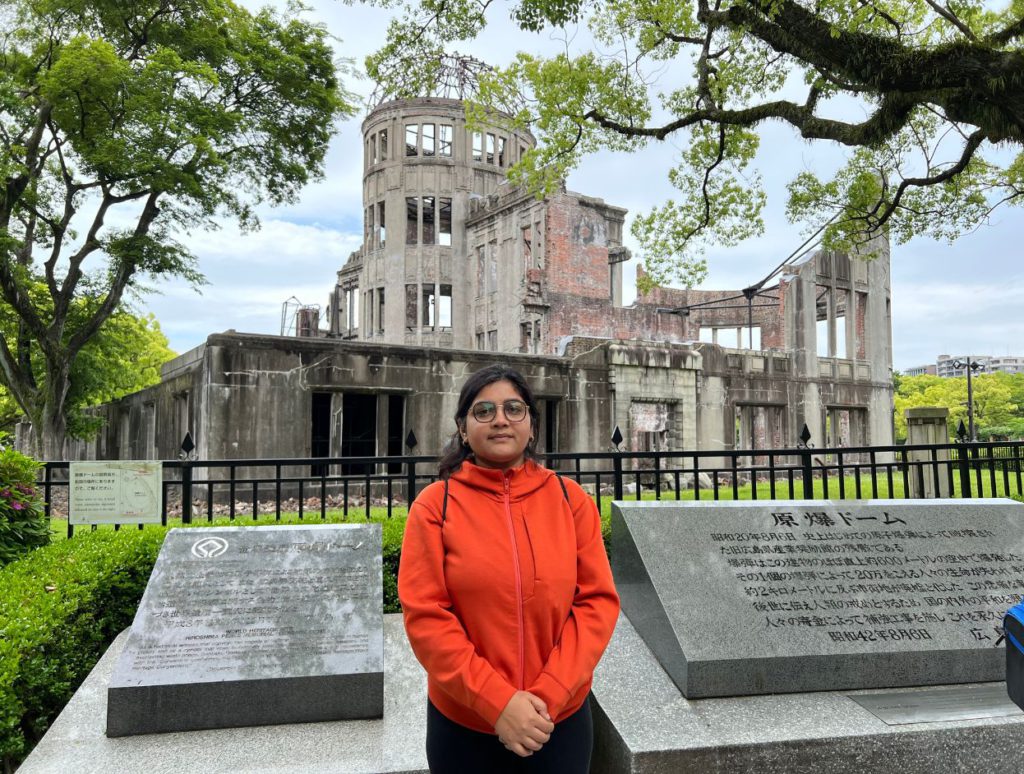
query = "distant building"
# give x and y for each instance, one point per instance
(924, 370)
(1010, 364)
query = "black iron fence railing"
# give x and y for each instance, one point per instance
(317, 486)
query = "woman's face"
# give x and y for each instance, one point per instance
(498, 442)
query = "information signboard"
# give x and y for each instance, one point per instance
(117, 492)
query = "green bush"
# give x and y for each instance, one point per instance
(23, 524)
(391, 537)
(60, 607)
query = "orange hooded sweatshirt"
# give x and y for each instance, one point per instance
(512, 592)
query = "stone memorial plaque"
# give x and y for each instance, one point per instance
(742, 598)
(244, 626)
(939, 705)
(119, 492)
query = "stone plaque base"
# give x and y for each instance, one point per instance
(163, 708)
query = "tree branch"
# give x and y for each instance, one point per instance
(952, 18)
(1005, 35)
(122, 276)
(891, 115)
(971, 146)
(13, 377)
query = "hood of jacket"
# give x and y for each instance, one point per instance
(522, 480)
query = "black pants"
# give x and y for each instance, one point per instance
(455, 749)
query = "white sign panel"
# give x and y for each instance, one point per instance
(122, 492)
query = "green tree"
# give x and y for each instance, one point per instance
(123, 357)
(993, 400)
(122, 124)
(931, 87)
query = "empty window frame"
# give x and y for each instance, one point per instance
(821, 331)
(371, 231)
(444, 222)
(444, 140)
(352, 307)
(412, 139)
(381, 230)
(428, 220)
(741, 337)
(489, 158)
(383, 145)
(526, 244)
(501, 151)
(412, 220)
(373, 149)
(480, 341)
(478, 146)
(436, 309)
(444, 307)
(492, 341)
(427, 139)
(750, 338)
(840, 327)
(525, 337)
(380, 310)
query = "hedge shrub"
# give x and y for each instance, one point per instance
(23, 524)
(60, 607)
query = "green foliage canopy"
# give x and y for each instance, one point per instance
(921, 92)
(997, 401)
(122, 124)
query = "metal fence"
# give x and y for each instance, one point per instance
(316, 486)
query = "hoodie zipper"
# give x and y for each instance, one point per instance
(519, 580)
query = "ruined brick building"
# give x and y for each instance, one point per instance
(458, 268)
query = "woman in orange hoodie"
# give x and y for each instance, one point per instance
(507, 594)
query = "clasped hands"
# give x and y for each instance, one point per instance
(524, 726)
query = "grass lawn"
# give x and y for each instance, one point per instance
(59, 527)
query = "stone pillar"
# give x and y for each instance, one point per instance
(928, 426)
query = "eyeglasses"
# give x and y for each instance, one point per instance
(486, 410)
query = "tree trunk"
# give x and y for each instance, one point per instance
(53, 437)
(50, 427)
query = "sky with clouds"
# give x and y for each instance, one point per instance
(955, 299)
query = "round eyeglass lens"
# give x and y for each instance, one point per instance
(514, 410)
(484, 411)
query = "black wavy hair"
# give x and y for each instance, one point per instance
(455, 451)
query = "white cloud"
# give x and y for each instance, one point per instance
(250, 277)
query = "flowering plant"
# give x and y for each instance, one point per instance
(23, 524)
